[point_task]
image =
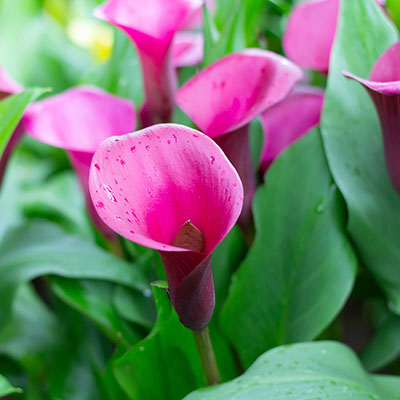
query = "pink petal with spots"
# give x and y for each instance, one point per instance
(151, 25)
(288, 120)
(147, 184)
(235, 89)
(187, 49)
(310, 32)
(384, 89)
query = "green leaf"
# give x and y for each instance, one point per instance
(384, 346)
(231, 39)
(59, 199)
(95, 300)
(301, 268)
(11, 110)
(135, 307)
(305, 371)
(30, 347)
(165, 365)
(6, 388)
(40, 248)
(353, 143)
(394, 8)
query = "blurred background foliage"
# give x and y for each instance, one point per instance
(74, 318)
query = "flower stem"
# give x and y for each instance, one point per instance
(207, 356)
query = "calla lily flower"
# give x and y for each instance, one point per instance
(7, 87)
(310, 32)
(223, 98)
(188, 49)
(288, 120)
(78, 120)
(151, 25)
(170, 188)
(384, 88)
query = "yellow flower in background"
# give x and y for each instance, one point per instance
(96, 37)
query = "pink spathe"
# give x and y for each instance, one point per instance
(78, 120)
(151, 25)
(224, 97)
(231, 92)
(310, 32)
(188, 49)
(288, 120)
(147, 184)
(384, 89)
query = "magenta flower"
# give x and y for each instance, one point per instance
(288, 120)
(151, 25)
(188, 49)
(7, 87)
(310, 32)
(223, 98)
(78, 120)
(384, 88)
(170, 188)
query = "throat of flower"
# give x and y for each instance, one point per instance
(190, 237)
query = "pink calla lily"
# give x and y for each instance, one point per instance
(188, 49)
(148, 184)
(288, 120)
(78, 120)
(310, 32)
(7, 87)
(151, 25)
(224, 97)
(384, 88)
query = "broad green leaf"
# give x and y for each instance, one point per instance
(30, 347)
(95, 300)
(40, 248)
(6, 388)
(11, 110)
(384, 346)
(165, 365)
(305, 371)
(59, 199)
(225, 260)
(353, 143)
(301, 268)
(135, 307)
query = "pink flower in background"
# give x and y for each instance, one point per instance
(288, 120)
(78, 120)
(151, 25)
(310, 32)
(170, 188)
(7, 87)
(223, 98)
(188, 49)
(384, 88)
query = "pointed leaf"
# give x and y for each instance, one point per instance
(301, 268)
(305, 371)
(353, 143)
(11, 110)
(6, 388)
